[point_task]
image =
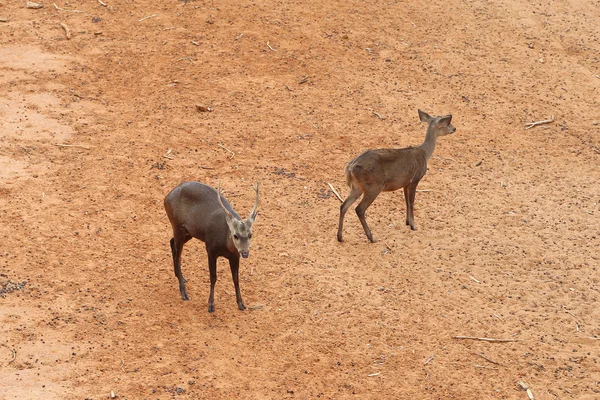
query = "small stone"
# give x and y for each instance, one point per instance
(203, 108)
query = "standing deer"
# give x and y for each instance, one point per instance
(199, 211)
(386, 170)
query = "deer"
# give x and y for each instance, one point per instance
(386, 170)
(196, 210)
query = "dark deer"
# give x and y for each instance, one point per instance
(199, 211)
(386, 170)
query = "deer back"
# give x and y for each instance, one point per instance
(391, 169)
(194, 207)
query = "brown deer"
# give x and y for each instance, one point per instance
(386, 170)
(199, 211)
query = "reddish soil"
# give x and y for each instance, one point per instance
(508, 239)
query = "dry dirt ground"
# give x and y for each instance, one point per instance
(508, 239)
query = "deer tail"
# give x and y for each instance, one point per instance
(348, 173)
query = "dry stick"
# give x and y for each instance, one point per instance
(487, 339)
(14, 353)
(527, 389)
(269, 46)
(103, 3)
(487, 359)
(223, 147)
(149, 16)
(532, 124)
(429, 360)
(72, 145)
(62, 9)
(67, 31)
(168, 155)
(335, 192)
(381, 117)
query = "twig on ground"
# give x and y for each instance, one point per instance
(14, 353)
(474, 279)
(67, 31)
(536, 123)
(231, 152)
(62, 9)
(335, 192)
(168, 155)
(238, 37)
(486, 339)
(429, 360)
(269, 46)
(72, 145)
(149, 16)
(103, 3)
(487, 359)
(569, 312)
(375, 374)
(381, 117)
(526, 388)
(425, 190)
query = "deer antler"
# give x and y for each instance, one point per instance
(226, 211)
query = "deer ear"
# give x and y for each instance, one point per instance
(445, 121)
(424, 117)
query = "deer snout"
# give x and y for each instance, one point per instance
(452, 130)
(245, 254)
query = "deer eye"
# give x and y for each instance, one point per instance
(250, 236)
(236, 237)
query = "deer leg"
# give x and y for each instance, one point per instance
(410, 205)
(406, 199)
(355, 193)
(212, 268)
(234, 264)
(177, 242)
(366, 201)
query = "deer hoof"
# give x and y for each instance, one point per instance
(241, 306)
(184, 295)
(211, 308)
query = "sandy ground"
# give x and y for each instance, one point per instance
(508, 239)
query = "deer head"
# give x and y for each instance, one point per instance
(240, 231)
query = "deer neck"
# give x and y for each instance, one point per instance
(429, 144)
